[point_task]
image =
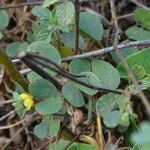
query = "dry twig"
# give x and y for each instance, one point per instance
(139, 4)
(7, 115)
(108, 49)
(21, 5)
(18, 123)
(76, 137)
(76, 27)
(33, 4)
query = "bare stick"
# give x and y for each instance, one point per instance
(76, 137)
(108, 49)
(25, 71)
(125, 16)
(21, 5)
(113, 14)
(139, 4)
(18, 123)
(7, 115)
(76, 27)
(100, 132)
(102, 51)
(16, 60)
(34, 3)
(6, 102)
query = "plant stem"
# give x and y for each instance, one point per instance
(108, 49)
(76, 27)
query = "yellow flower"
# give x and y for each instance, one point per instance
(27, 100)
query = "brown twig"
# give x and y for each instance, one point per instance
(113, 13)
(108, 49)
(33, 4)
(6, 102)
(21, 5)
(7, 115)
(18, 123)
(125, 16)
(100, 132)
(76, 137)
(139, 4)
(76, 27)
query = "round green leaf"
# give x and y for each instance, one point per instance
(107, 74)
(42, 88)
(73, 95)
(41, 130)
(40, 11)
(68, 40)
(4, 19)
(105, 104)
(46, 49)
(13, 48)
(47, 3)
(54, 125)
(143, 16)
(79, 65)
(111, 119)
(49, 106)
(91, 25)
(34, 76)
(137, 33)
(90, 78)
(65, 13)
(140, 58)
(142, 137)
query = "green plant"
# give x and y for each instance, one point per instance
(141, 138)
(52, 35)
(4, 23)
